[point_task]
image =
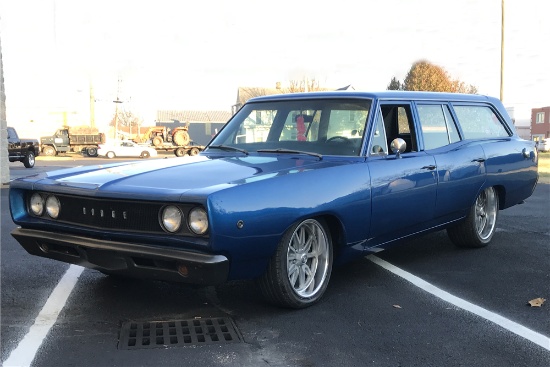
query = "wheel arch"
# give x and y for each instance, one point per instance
(336, 232)
(501, 193)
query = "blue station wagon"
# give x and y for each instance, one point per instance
(292, 186)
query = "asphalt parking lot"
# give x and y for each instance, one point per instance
(422, 303)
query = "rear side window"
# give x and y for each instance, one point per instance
(479, 122)
(438, 127)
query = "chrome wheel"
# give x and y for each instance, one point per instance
(486, 208)
(478, 228)
(299, 271)
(307, 258)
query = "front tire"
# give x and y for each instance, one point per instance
(49, 151)
(29, 160)
(157, 141)
(110, 155)
(480, 224)
(299, 272)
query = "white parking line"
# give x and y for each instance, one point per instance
(510, 325)
(25, 352)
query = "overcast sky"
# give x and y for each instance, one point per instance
(194, 55)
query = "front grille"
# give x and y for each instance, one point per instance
(162, 334)
(109, 214)
(112, 214)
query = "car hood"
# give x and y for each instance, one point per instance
(172, 177)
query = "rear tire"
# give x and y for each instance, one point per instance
(299, 271)
(29, 160)
(179, 152)
(181, 137)
(478, 228)
(194, 151)
(92, 151)
(145, 154)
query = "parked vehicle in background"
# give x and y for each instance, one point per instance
(292, 185)
(125, 148)
(175, 140)
(22, 150)
(158, 135)
(543, 145)
(65, 142)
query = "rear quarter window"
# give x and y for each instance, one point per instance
(438, 127)
(479, 122)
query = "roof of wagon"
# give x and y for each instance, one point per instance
(394, 95)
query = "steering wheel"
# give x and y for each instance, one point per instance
(343, 138)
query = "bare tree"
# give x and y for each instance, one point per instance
(128, 123)
(303, 85)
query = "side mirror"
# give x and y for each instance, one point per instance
(398, 146)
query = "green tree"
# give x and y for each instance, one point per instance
(395, 84)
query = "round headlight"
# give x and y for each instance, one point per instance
(37, 204)
(171, 218)
(52, 206)
(198, 221)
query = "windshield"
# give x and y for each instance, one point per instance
(324, 127)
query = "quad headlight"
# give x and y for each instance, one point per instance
(198, 221)
(171, 218)
(36, 204)
(52, 206)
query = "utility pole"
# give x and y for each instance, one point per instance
(502, 53)
(92, 105)
(116, 108)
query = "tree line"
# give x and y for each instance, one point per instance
(422, 76)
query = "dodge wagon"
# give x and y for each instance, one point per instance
(292, 186)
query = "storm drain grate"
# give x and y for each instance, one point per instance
(162, 334)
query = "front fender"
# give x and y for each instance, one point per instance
(249, 219)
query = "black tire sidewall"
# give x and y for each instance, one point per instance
(92, 152)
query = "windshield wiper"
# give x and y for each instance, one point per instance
(289, 151)
(228, 148)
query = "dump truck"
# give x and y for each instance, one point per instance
(62, 141)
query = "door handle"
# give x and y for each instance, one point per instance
(479, 160)
(430, 167)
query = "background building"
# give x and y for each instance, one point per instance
(540, 123)
(522, 121)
